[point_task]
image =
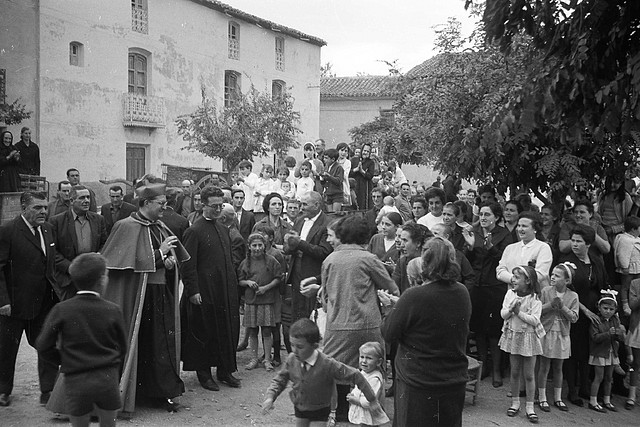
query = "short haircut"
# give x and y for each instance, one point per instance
(210, 192)
(584, 202)
(422, 201)
(28, 196)
(455, 208)
(267, 201)
(283, 169)
(293, 202)
(463, 206)
(264, 228)
(237, 190)
(439, 261)
(379, 190)
(417, 232)
(116, 188)
(290, 162)
(587, 232)
(74, 191)
(306, 329)
(87, 270)
(487, 188)
(536, 220)
(342, 145)
(306, 164)
(555, 213)
(435, 192)
(245, 164)
(172, 197)
(24, 128)
(631, 223)
(395, 218)
(61, 183)
(495, 208)
(71, 170)
(353, 230)
(331, 153)
(515, 203)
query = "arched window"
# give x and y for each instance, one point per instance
(138, 75)
(277, 88)
(234, 40)
(280, 53)
(76, 54)
(231, 87)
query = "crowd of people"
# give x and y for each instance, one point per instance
(419, 275)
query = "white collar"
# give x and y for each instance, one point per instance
(311, 360)
(88, 293)
(314, 218)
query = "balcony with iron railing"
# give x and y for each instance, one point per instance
(143, 110)
(139, 20)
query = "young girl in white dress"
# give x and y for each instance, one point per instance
(560, 307)
(371, 358)
(521, 335)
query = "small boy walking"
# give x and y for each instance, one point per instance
(313, 375)
(93, 344)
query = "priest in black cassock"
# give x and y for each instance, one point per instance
(210, 311)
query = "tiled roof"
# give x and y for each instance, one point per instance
(263, 23)
(434, 63)
(361, 86)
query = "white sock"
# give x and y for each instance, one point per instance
(515, 402)
(529, 407)
(542, 394)
(606, 399)
(632, 392)
(593, 400)
(557, 394)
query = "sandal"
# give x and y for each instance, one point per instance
(597, 408)
(253, 363)
(532, 417)
(610, 407)
(560, 405)
(512, 412)
(544, 405)
(629, 404)
(331, 421)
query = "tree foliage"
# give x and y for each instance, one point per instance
(12, 114)
(255, 124)
(548, 101)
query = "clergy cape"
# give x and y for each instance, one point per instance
(130, 258)
(211, 330)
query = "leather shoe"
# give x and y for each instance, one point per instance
(210, 384)
(44, 397)
(4, 399)
(229, 380)
(171, 406)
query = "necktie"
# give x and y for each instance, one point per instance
(41, 237)
(305, 366)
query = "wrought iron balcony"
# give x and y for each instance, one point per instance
(143, 111)
(139, 20)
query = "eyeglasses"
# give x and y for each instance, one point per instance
(161, 203)
(216, 206)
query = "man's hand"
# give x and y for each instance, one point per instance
(195, 299)
(5, 310)
(168, 244)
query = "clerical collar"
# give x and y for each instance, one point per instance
(88, 293)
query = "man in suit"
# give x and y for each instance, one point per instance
(76, 231)
(246, 219)
(309, 247)
(27, 264)
(117, 209)
(61, 203)
(176, 223)
(184, 205)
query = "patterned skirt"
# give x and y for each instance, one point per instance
(259, 315)
(521, 343)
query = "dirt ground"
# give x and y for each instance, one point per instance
(240, 407)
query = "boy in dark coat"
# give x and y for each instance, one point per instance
(93, 344)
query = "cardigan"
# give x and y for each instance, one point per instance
(312, 389)
(627, 250)
(528, 317)
(569, 311)
(601, 342)
(519, 253)
(634, 303)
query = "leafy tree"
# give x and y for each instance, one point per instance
(254, 124)
(448, 36)
(326, 70)
(12, 114)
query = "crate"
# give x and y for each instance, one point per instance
(33, 183)
(9, 206)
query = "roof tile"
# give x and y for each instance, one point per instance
(360, 86)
